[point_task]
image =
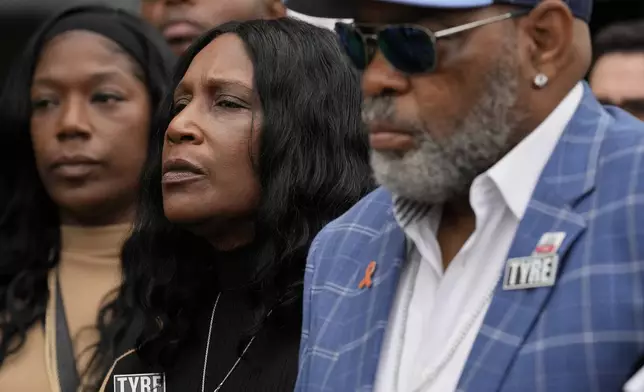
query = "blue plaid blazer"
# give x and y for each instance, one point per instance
(586, 333)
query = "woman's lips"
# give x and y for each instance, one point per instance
(181, 177)
(74, 170)
(181, 171)
(74, 166)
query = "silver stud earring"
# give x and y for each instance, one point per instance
(541, 80)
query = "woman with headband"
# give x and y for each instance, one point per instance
(75, 121)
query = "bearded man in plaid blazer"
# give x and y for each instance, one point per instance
(505, 250)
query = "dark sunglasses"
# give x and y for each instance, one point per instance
(409, 48)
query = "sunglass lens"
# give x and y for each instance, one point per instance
(353, 44)
(409, 49)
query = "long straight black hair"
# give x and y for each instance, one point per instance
(29, 223)
(312, 165)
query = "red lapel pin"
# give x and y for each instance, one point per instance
(368, 273)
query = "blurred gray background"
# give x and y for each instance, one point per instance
(19, 18)
(49, 5)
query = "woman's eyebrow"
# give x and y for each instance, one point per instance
(226, 84)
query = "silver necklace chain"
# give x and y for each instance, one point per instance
(430, 377)
(205, 361)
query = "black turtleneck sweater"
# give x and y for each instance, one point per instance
(270, 364)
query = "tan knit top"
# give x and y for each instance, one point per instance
(89, 269)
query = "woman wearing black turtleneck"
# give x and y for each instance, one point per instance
(270, 363)
(262, 147)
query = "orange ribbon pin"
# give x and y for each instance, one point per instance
(368, 273)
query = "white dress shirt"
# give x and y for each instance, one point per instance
(437, 313)
(636, 383)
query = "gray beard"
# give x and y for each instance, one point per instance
(440, 170)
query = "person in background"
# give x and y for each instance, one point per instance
(75, 119)
(182, 21)
(261, 146)
(617, 77)
(504, 250)
(327, 23)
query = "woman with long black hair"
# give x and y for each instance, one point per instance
(261, 147)
(74, 122)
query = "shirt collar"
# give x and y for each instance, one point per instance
(517, 173)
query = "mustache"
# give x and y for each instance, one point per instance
(382, 110)
(378, 110)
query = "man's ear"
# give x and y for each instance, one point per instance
(550, 29)
(275, 9)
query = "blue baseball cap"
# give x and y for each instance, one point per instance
(582, 9)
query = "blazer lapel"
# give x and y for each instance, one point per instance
(388, 251)
(360, 314)
(567, 178)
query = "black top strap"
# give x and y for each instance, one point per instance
(67, 371)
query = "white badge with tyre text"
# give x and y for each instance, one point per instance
(148, 382)
(538, 269)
